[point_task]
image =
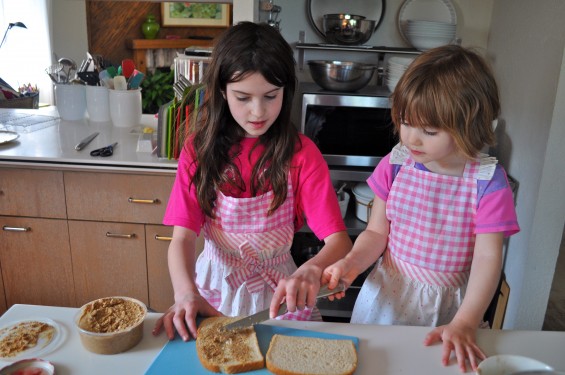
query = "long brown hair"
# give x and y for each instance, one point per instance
(453, 89)
(243, 49)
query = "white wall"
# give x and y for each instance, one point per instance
(526, 46)
(69, 29)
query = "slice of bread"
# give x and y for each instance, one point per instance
(293, 355)
(230, 352)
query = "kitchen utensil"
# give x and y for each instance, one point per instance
(347, 29)
(69, 67)
(364, 197)
(82, 144)
(341, 75)
(371, 9)
(128, 66)
(264, 315)
(53, 72)
(104, 151)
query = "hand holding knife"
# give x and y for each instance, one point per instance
(264, 315)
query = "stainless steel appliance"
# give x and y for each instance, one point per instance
(352, 129)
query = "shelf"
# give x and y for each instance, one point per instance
(379, 50)
(140, 46)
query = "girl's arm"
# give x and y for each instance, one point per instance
(188, 301)
(368, 247)
(459, 335)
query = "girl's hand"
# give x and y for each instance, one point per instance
(457, 337)
(342, 270)
(299, 290)
(182, 315)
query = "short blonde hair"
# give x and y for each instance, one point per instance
(450, 88)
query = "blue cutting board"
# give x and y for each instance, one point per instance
(179, 357)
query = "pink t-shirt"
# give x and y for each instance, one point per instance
(314, 195)
(495, 206)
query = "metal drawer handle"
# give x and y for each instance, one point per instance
(16, 229)
(163, 238)
(119, 235)
(146, 201)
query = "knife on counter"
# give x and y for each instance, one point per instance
(86, 141)
(264, 315)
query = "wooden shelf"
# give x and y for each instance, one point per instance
(140, 46)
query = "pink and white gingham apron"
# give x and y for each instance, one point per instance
(422, 277)
(246, 253)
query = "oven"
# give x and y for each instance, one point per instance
(350, 129)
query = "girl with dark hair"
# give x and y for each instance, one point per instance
(247, 179)
(441, 208)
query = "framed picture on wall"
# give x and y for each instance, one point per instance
(181, 14)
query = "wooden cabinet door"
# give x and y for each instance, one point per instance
(36, 261)
(161, 295)
(3, 306)
(160, 288)
(108, 260)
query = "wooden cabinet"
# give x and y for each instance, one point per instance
(36, 261)
(69, 237)
(158, 238)
(35, 257)
(108, 260)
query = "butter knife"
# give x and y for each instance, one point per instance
(261, 316)
(86, 141)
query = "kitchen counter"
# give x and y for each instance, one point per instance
(382, 349)
(55, 145)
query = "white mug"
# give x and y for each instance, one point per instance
(125, 107)
(97, 103)
(70, 101)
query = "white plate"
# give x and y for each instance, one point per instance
(507, 364)
(370, 9)
(426, 10)
(44, 345)
(8, 136)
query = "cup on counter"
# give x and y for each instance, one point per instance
(97, 103)
(125, 107)
(70, 101)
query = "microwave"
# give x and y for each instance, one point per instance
(350, 129)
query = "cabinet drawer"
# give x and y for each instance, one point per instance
(117, 197)
(29, 192)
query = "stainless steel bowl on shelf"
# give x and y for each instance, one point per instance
(347, 29)
(341, 75)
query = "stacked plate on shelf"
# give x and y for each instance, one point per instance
(394, 69)
(424, 35)
(426, 24)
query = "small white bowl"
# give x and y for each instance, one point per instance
(508, 364)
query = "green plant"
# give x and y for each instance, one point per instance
(156, 90)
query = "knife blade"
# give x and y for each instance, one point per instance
(261, 316)
(82, 144)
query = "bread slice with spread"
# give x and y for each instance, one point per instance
(230, 352)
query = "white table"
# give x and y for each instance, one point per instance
(383, 350)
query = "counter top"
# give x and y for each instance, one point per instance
(55, 145)
(382, 349)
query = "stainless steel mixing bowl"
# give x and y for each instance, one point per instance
(341, 75)
(347, 29)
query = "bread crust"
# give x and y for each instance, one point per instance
(213, 345)
(272, 367)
